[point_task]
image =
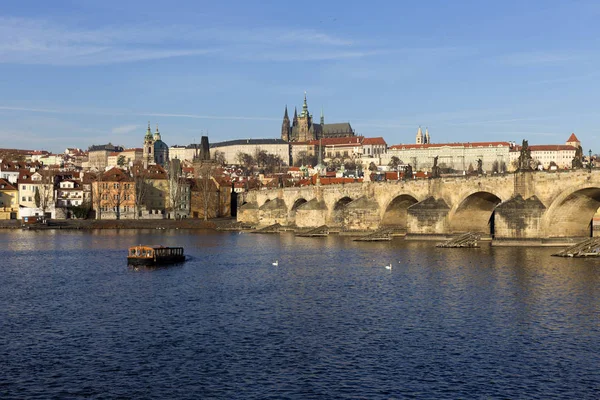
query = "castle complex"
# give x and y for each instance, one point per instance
(303, 129)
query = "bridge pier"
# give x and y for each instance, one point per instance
(361, 214)
(311, 214)
(427, 217)
(519, 218)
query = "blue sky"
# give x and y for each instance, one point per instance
(81, 72)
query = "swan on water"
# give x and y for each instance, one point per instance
(388, 266)
(276, 263)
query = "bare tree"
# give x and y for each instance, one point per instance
(44, 191)
(219, 157)
(246, 160)
(99, 188)
(141, 180)
(394, 162)
(206, 186)
(177, 188)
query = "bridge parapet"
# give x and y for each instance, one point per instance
(497, 204)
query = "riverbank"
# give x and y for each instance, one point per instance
(121, 224)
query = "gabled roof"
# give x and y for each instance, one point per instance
(572, 138)
(116, 175)
(6, 185)
(375, 140)
(343, 127)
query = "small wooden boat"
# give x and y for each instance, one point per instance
(154, 255)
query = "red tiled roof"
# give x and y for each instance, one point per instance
(6, 185)
(337, 141)
(375, 140)
(437, 145)
(572, 138)
(545, 147)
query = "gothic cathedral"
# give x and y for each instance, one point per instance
(303, 129)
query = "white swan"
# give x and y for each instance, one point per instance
(276, 263)
(388, 266)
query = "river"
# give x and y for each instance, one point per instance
(330, 321)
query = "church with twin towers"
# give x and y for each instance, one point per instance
(302, 128)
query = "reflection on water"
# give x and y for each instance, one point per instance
(329, 321)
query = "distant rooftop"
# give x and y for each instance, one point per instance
(238, 142)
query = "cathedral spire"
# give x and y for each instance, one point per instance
(322, 117)
(295, 120)
(285, 115)
(304, 107)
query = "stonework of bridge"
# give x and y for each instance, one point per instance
(525, 205)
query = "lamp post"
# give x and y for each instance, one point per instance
(590, 160)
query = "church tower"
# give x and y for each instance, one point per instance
(285, 126)
(148, 152)
(419, 136)
(304, 123)
(427, 138)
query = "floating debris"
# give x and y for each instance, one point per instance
(587, 248)
(468, 239)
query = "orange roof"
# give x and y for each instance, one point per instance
(375, 140)
(337, 141)
(6, 185)
(437, 145)
(572, 138)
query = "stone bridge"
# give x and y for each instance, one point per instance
(524, 205)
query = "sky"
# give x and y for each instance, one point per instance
(74, 73)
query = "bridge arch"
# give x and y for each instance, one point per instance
(297, 203)
(571, 213)
(475, 212)
(395, 213)
(339, 208)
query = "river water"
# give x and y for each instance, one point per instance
(329, 322)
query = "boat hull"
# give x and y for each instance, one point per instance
(149, 261)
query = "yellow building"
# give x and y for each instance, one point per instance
(114, 195)
(9, 200)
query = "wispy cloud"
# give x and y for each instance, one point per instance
(121, 113)
(39, 41)
(124, 129)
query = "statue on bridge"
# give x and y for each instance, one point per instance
(435, 170)
(408, 172)
(479, 166)
(525, 160)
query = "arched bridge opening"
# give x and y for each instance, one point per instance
(298, 203)
(476, 213)
(396, 212)
(339, 210)
(573, 216)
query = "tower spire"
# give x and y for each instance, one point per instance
(285, 115)
(148, 132)
(304, 107)
(322, 117)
